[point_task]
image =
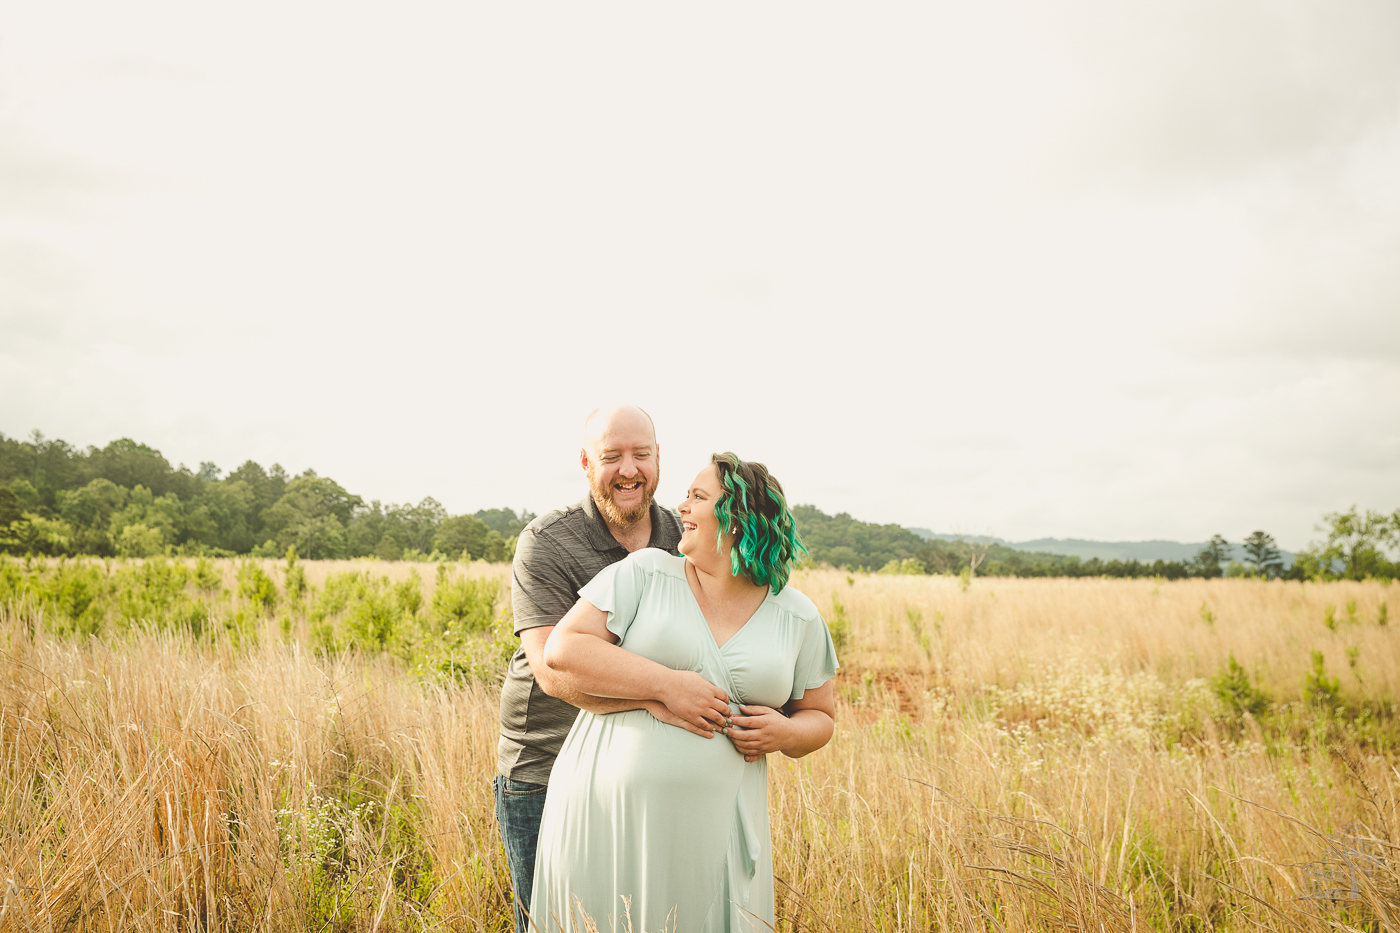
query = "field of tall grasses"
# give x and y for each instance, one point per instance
(234, 745)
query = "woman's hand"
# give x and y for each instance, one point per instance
(760, 730)
(696, 702)
(804, 725)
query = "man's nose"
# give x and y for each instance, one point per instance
(629, 467)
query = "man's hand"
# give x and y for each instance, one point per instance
(695, 701)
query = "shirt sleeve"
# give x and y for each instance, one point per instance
(617, 590)
(540, 588)
(816, 659)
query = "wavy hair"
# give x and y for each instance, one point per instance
(753, 507)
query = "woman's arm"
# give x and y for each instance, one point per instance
(584, 654)
(560, 687)
(808, 726)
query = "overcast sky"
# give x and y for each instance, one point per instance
(1103, 270)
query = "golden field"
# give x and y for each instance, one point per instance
(1014, 755)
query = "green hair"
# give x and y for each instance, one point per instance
(753, 508)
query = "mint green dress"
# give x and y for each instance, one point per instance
(650, 819)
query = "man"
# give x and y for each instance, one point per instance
(555, 556)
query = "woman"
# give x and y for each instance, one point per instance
(650, 823)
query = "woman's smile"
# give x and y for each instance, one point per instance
(697, 511)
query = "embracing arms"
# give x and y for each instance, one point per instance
(581, 653)
(544, 586)
(563, 686)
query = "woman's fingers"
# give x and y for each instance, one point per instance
(754, 717)
(757, 731)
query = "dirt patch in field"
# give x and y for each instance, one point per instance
(868, 692)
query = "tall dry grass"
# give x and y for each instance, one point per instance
(1023, 755)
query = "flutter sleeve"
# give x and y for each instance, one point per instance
(617, 590)
(816, 659)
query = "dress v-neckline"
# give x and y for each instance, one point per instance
(720, 645)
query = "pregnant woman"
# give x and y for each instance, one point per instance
(650, 824)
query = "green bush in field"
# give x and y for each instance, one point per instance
(367, 612)
(457, 635)
(838, 624)
(207, 577)
(1233, 689)
(374, 618)
(465, 602)
(1318, 688)
(256, 586)
(295, 576)
(72, 596)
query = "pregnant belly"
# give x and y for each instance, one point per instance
(630, 753)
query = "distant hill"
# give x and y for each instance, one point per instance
(1104, 550)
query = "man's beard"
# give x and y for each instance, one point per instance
(603, 498)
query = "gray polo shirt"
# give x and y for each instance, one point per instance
(555, 556)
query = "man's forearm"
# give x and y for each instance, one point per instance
(560, 687)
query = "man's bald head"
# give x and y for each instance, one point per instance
(601, 421)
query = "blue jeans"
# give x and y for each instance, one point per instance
(519, 806)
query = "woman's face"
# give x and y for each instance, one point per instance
(698, 516)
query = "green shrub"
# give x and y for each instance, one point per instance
(909, 566)
(464, 602)
(370, 618)
(1318, 688)
(358, 610)
(409, 594)
(207, 577)
(1234, 690)
(838, 624)
(295, 576)
(256, 586)
(150, 591)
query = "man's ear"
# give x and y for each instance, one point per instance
(583, 458)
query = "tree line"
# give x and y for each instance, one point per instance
(126, 500)
(1356, 544)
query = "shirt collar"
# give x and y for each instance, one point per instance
(663, 528)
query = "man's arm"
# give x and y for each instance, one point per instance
(560, 685)
(541, 593)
